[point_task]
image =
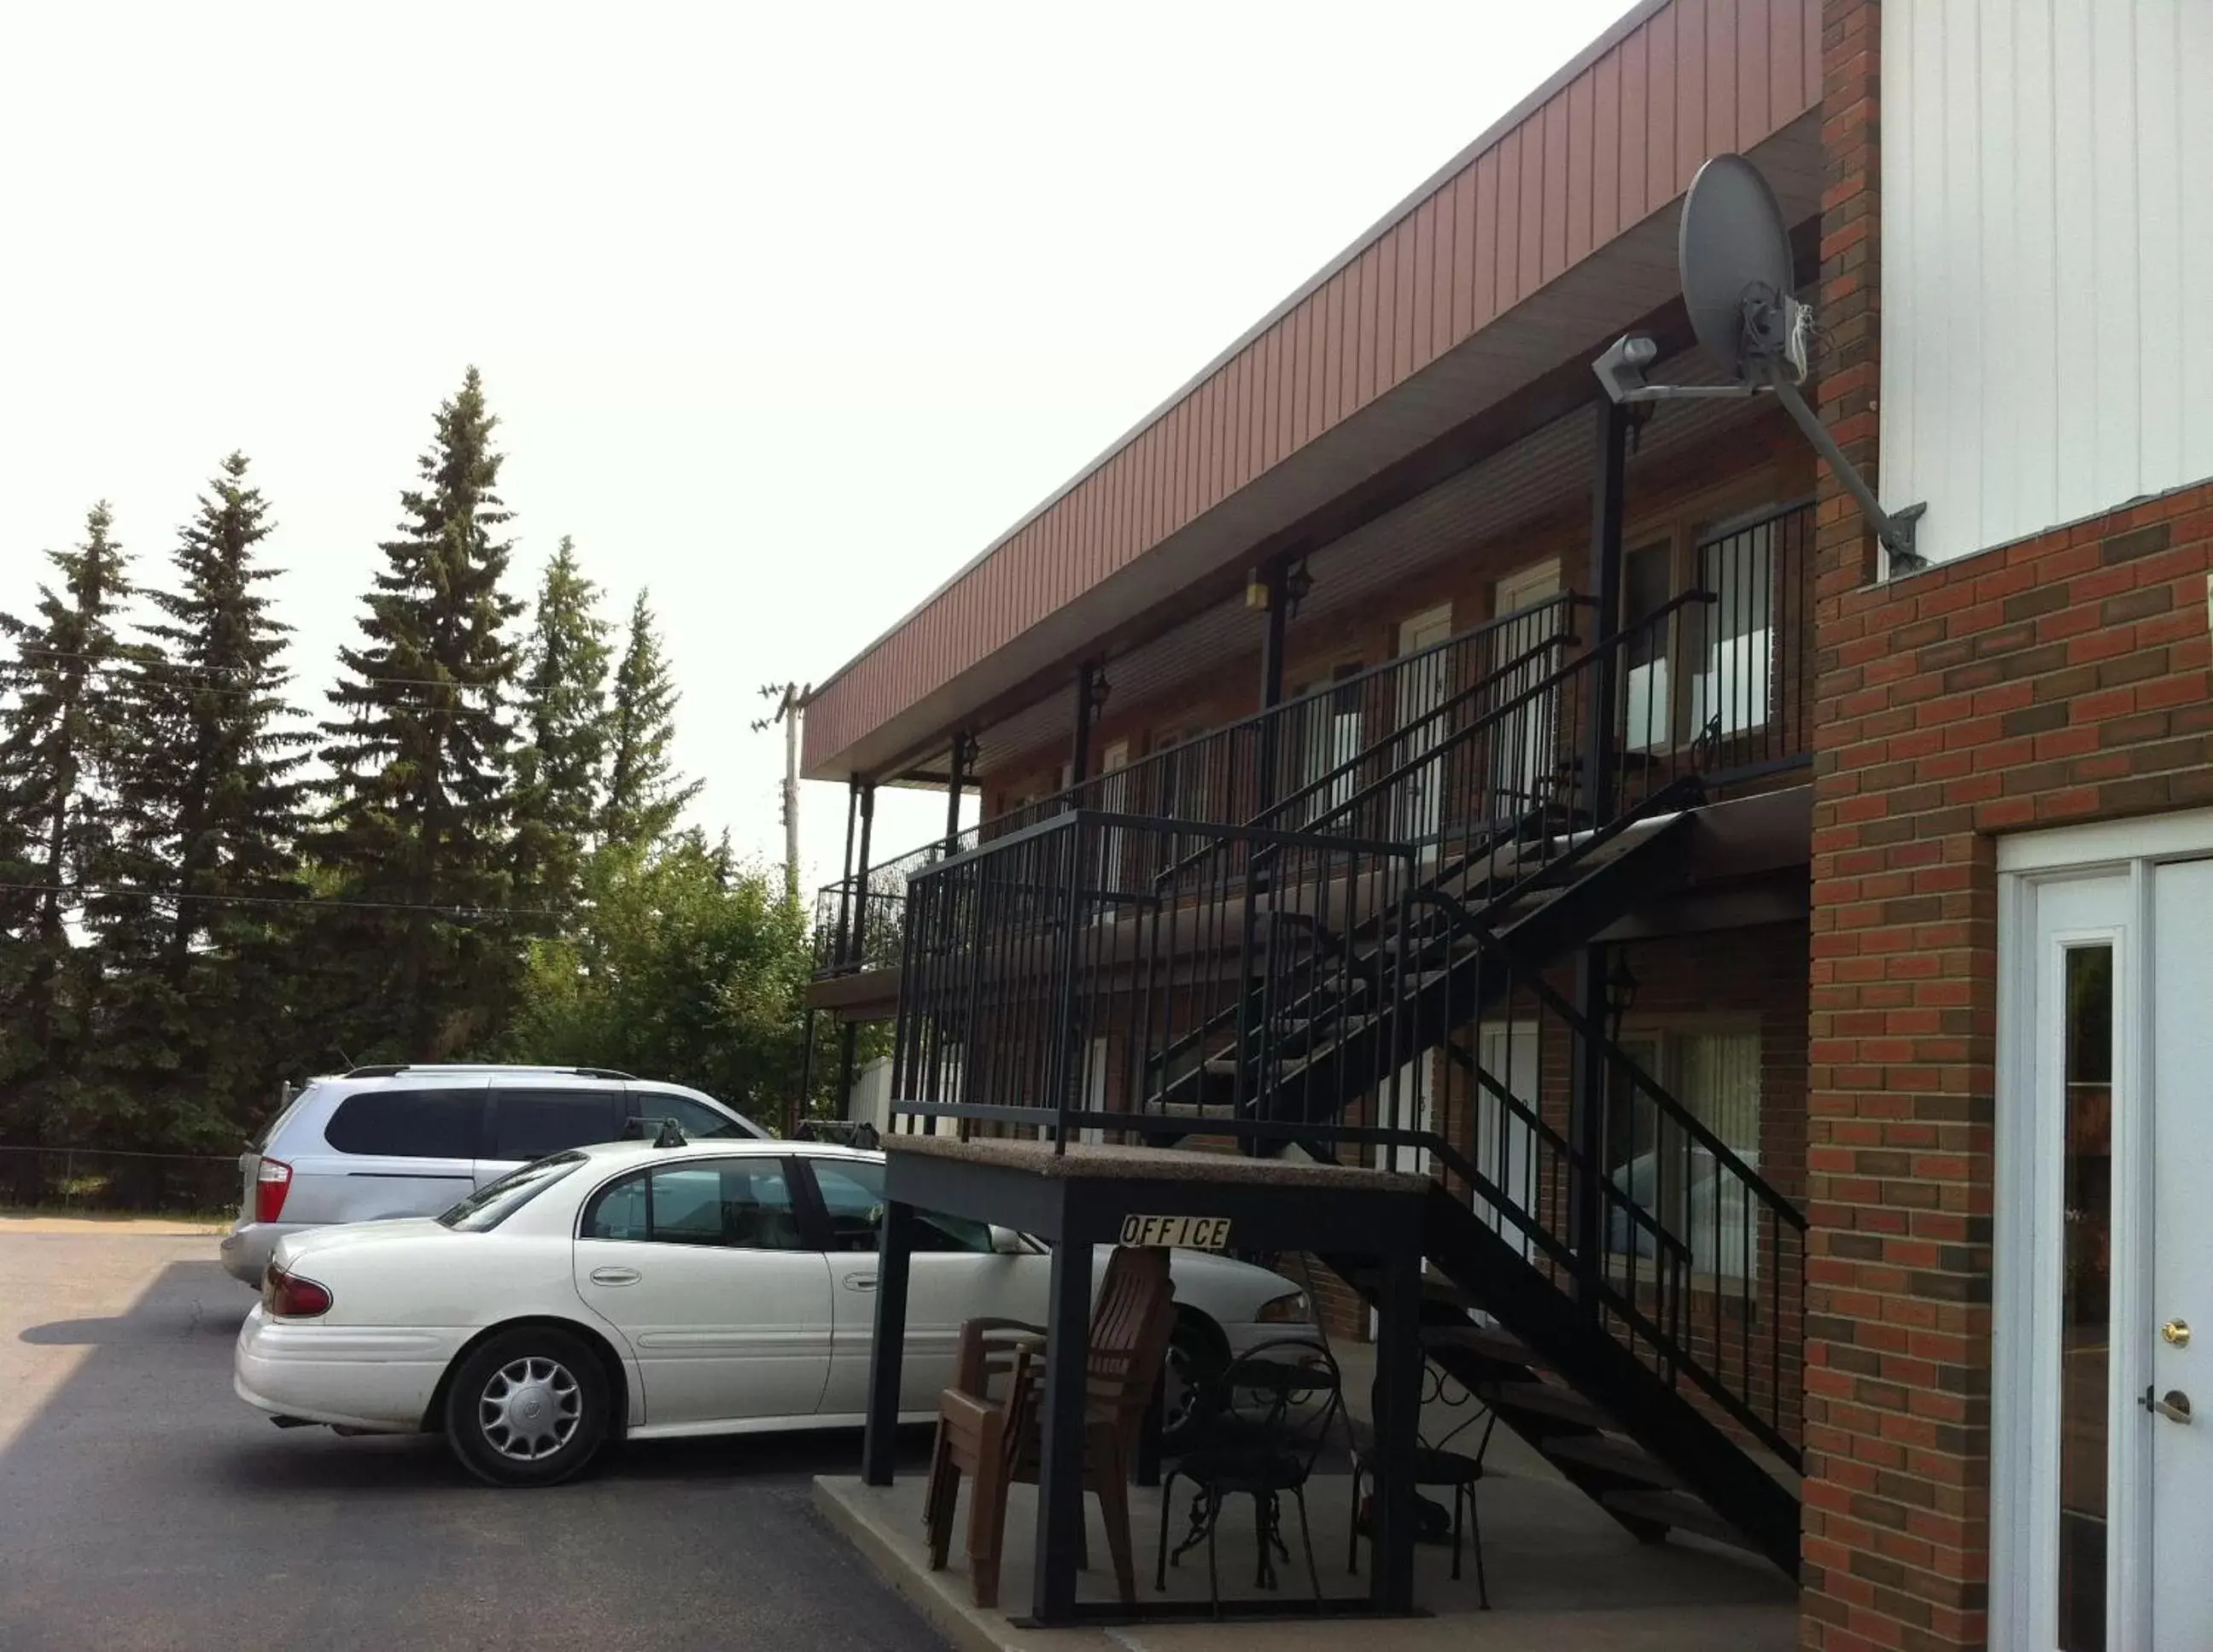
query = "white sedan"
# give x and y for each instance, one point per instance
(629, 1289)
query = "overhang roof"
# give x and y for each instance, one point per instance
(1552, 231)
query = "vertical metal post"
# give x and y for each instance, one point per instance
(1079, 754)
(1398, 1403)
(806, 1074)
(848, 1039)
(845, 874)
(1060, 1466)
(1588, 1111)
(1273, 578)
(955, 783)
(894, 1245)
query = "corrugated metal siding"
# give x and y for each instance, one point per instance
(1616, 143)
(2048, 220)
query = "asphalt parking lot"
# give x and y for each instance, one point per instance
(143, 1505)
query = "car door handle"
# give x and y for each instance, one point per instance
(860, 1281)
(614, 1276)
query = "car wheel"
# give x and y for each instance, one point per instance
(1197, 1356)
(527, 1407)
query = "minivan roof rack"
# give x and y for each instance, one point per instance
(392, 1069)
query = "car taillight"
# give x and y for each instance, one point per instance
(288, 1296)
(270, 1187)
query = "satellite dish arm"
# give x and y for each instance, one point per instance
(1894, 531)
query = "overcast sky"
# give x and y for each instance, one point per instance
(786, 311)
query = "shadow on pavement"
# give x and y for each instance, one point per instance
(148, 1506)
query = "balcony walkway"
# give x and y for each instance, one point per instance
(1562, 1574)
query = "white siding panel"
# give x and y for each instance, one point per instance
(2047, 222)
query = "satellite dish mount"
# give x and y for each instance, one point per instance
(1736, 266)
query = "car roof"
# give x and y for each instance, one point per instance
(722, 1147)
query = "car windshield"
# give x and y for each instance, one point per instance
(491, 1204)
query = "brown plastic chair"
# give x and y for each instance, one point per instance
(997, 1442)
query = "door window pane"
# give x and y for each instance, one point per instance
(530, 1123)
(1646, 582)
(699, 1124)
(746, 1204)
(853, 1193)
(408, 1124)
(2085, 1295)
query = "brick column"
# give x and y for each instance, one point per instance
(1900, 1046)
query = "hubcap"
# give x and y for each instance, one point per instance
(530, 1409)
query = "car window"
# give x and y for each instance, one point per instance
(531, 1123)
(699, 1124)
(408, 1124)
(745, 1204)
(492, 1204)
(853, 1194)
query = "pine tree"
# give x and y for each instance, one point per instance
(212, 810)
(59, 746)
(562, 766)
(645, 794)
(420, 795)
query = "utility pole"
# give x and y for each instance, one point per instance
(791, 701)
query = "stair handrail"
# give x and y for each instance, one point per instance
(1558, 1003)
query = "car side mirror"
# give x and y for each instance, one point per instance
(1005, 1241)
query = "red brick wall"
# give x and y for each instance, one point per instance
(2064, 678)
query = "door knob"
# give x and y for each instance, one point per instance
(2176, 1332)
(614, 1276)
(2174, 1406)
(860, 1281)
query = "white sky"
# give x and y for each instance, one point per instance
(787, 311)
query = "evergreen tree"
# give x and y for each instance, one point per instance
(420, 796)
(562, 766)
(199, 984)
(58, 752)
(645, 794)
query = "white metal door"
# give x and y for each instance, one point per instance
(1423, 687)
(1505, 1149)
(2104, 1448)
(1522, 745)
(2176, 1329)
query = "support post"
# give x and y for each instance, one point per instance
(845, 873)
(1587, 1106)
(964, 749)
(1079, 753)
(1397, 1403)
(1060, 1457)
(1273, 579)
(880, 1444)
(848, 1039)
(806, 1074)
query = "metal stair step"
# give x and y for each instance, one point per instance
(1679, 1510)
(1548, 1400)
(1492, 1341)
(1613, 1455)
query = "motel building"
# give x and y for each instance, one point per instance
(1778, 971)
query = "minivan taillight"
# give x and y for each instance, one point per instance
(270, 1187)
(288, 1296)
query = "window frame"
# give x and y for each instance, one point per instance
(1668, 1034)
(480, 1134)
(800, 1188)
(610, 1098)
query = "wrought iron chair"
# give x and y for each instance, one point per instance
(1269, 1417)
(1436, 1464)
(996, 1442)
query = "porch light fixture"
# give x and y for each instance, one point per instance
(1621, 986)
(1298, 585)
(1100, 688)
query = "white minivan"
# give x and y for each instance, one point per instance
(410, 1141)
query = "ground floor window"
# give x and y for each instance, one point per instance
(1714, 1073)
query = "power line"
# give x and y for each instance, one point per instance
(81, 890)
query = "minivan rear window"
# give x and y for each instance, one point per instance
(408, 1124)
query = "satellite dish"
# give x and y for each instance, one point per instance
(1734, 255)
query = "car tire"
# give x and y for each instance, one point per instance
(1198, 1354)
(527, 1407)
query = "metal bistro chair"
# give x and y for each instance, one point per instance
(1269, 1417)
(1436, 1464)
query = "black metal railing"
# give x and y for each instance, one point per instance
(1717, 681)
(1338, 985)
